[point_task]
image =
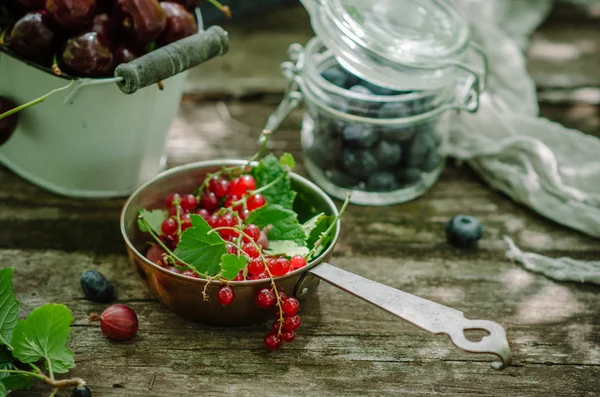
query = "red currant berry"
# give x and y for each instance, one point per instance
(258, 276)
(276, 326)
(209, 201)
(288, 336)
(231, 249)
(189, 202)
(203, 213)
(219, 186)
(170, 241)
(256, 201)
(297, 262)
(290, 306)
(189, 273)
(172, 199)
(252, 231)
(242, 184)
(239, 277)
(265, 298)
(250, 250)
(244, 214)
(229, 203)
(173, 210)
(173, 269)
(256, 266)
(186, 222)
(169, 226)
(279, 267)
(282, 295)
(227, 221)
(225, 295)
(119, 322)
(212, 221)
(156, 254)
(291, 323)
(272, 341)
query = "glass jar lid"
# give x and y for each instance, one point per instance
(397, 44)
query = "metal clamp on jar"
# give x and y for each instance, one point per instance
(377, 83)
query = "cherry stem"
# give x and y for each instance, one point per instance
(171, 253)
(224, 9)
(3, 35)
(35, 101)
(55, 69)
(330, 228)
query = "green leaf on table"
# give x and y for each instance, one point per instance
(287, 160)
(284, 222)
(315, 227)
(153, 218)
(201, 248)
(45, 334)
(9, 306)
(269, 169)
(231, 265)
(287, 247)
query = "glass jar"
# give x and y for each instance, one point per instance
(378, 82)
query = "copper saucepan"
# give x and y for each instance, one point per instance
(183, 295)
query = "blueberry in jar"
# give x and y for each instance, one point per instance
(396, 133)
(382, 181)
(358, 163)
(336, 76)
(359, 135)
(420, 148)
(96, 287)
(342, 179)
(408, 176)
(464, 231)
(387, 154)
(360, 107)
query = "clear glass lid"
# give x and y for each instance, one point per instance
(400, 44)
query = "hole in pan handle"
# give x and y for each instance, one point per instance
(172, 59)
(425, 314)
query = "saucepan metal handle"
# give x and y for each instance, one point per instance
(423, 313)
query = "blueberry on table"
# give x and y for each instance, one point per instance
(81, 391)
(464, 231)
(360, 135)
(387, 154)
(382, 182)
(358, 163)
(96, 287)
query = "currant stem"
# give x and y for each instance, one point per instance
(24, 373)
(270, 184)
(35, 101)
(264, 261)
(330, 228)
(171, 253)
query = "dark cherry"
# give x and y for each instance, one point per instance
(7, 124)
(124, 54)
(180, 23)
(88, 55)
(145, 20)
(71, 14)
(103, 25)
(31, 36)
(190, 4)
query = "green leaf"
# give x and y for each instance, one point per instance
(154, 219)
(201, 249)
(267, 171)
(317, 227)
(284, 221)
(288, 160)
(17, 382)
(3, 389)
(287, 247)
(232, 264)
(9, 306)
(45, 334)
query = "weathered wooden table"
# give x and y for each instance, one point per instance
(344, 348)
